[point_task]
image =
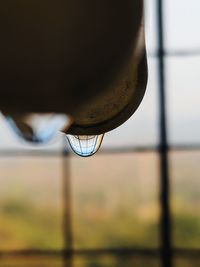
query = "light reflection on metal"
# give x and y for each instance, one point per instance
(38, 128)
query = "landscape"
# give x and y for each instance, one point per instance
(114, 203)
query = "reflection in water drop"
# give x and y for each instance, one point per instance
(37, 127)
(85, 145)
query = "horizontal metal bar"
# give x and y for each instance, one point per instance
(175, 53)
(131, 252)
(117, 150)
(32, 153)
(142, 149)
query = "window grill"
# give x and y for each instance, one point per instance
(166, 252)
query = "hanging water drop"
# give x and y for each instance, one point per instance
(85, 145)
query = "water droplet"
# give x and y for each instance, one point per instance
(85, 145)
(36, 127)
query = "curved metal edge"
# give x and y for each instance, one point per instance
(125, 114)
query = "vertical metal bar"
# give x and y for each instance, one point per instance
(67, 212)
(166, 250)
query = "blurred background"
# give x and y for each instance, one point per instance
(58, 210)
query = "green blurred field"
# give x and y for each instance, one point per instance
(114, 204)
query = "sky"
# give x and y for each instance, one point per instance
(182, 22)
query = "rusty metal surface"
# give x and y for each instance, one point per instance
(120, 117)
(120, 100)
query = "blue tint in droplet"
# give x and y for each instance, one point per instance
(85, 145)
